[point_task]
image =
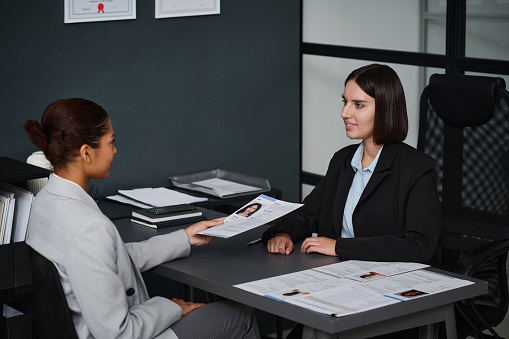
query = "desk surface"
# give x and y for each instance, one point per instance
(223, 263)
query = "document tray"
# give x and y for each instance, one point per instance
(188, 181)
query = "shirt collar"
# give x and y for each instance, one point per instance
(357, 159)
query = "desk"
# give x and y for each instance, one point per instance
(223, 263)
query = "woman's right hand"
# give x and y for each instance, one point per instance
(196, 239)
(281, 243)
(187, 306)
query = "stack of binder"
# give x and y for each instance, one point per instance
(169, 216)
(15, 206)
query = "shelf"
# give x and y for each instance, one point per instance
(12, 170)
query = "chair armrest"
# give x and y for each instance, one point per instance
(473, 259)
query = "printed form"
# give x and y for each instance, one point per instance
(257, 212)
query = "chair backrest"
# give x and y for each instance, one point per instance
(464, 126)
(52, 316)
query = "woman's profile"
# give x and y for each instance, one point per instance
(249, 210)
(378, 200)
(100, 274)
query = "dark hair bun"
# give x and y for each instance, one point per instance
(36, 134)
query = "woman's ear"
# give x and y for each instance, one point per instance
(86, 153)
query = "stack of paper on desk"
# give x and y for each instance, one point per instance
(155, 197)
(162, 217)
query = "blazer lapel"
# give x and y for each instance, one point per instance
(346, 175)
(381, 170)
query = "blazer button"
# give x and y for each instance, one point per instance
(130, 291)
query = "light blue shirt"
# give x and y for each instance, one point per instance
(360, 180)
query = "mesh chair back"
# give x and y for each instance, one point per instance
(464, 126)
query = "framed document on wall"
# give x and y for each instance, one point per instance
(176, 8)
(98, 10)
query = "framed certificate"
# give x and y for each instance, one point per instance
(176, 8)
(98, 10)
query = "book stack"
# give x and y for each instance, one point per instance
(169, 216)
(15, 206)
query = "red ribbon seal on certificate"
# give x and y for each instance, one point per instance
(100, 8)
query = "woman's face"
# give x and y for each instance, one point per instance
(251, 209)
(358, 112)
(103, 159)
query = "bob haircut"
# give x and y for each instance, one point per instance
(382, 83)
(258, 205)
(66, 125)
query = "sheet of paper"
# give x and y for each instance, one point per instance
(257, 212)
(292, 285)
(226, 187)
(289, 286)
(364, 271)
(160, 196)
(176, 8)
(414, 285)
(353, 286)
(344, 300)
(126, 200)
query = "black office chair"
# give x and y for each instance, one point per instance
(464, 126)
(52, 316)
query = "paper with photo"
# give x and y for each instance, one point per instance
(339, 289)
(257, 212)
(363, 271)
(294, 284)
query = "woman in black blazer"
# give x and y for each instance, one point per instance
(378, 200)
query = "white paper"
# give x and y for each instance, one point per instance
(364, 271)
(177, 8)
(344, 300)
(226, 187)
(292, 285)
(160, 197)
(98, 10)
(345, 288)
(126, 200)
(268, 209)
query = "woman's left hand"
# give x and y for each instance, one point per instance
(322, 245)
(200, 239)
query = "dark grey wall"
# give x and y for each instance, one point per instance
(184, 94)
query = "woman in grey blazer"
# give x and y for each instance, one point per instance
(100, 275)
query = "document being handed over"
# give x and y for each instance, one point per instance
(259, 211)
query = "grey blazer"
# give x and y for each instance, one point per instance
(100, 274)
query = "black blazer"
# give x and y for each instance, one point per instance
(397, 217)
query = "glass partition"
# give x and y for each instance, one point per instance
(487, 24)
(388, 24)
(322, 86)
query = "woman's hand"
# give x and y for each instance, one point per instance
(281, 243)
(322, 245)
(200, 239)
(187, 306)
